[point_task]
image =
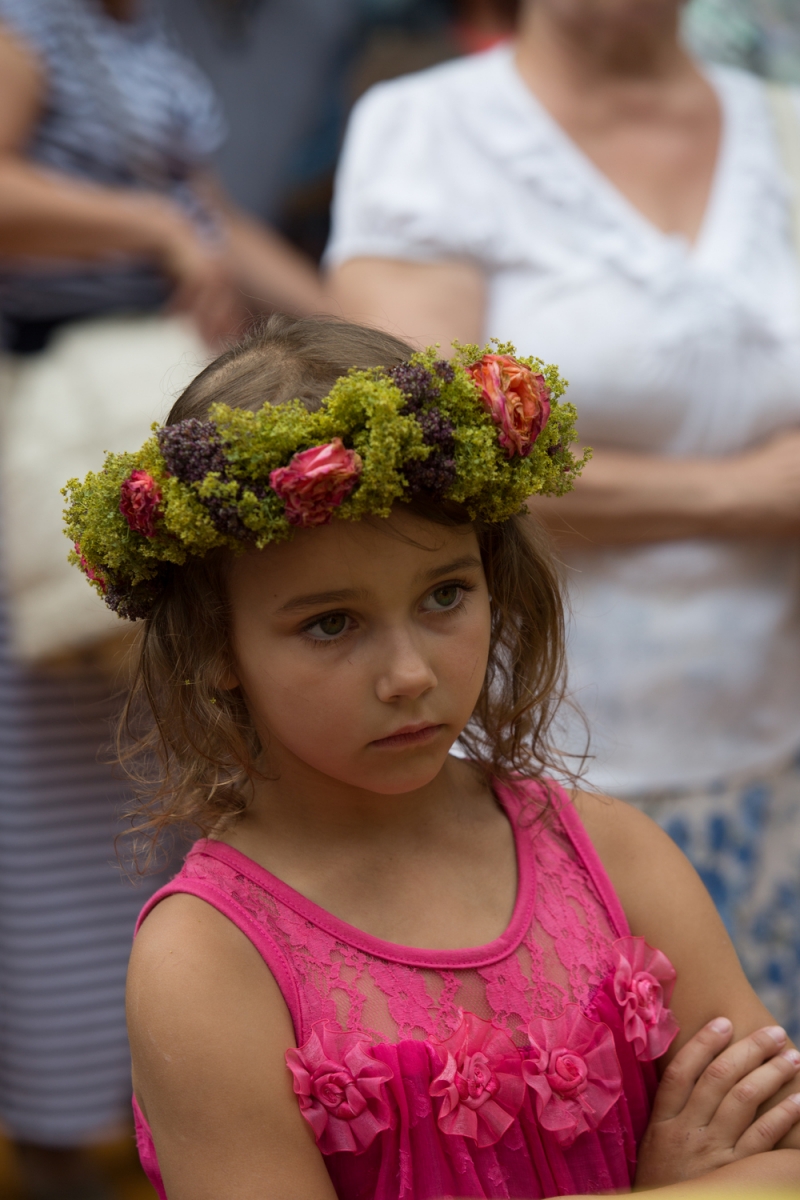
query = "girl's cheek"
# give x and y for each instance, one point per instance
(310, 689)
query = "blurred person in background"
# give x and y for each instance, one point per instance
(106, 134)
(107, 205)
(610, 205)
(309, 60)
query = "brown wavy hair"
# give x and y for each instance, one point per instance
(191, 743)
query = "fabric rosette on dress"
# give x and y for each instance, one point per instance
(563, 1083)
(480, 1086)
(572, 1068)
(341, 1089)
(643, 983)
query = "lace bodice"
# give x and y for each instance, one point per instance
(518, 1068)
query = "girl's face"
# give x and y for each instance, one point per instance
(361, 647)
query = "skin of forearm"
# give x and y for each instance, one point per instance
(628, 498)
(779, 1169)
(773, 1169)
(269, 270)
(42, 215)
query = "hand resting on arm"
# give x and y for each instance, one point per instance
(705, 1124)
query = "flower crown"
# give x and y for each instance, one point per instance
(484, 431)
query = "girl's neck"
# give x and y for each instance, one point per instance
(589, 56)
(301, 804)
(432, 868)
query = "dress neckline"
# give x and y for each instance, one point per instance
(473, 956)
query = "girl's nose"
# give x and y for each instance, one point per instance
(405, 674)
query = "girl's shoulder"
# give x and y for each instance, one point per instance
(209, 1031)
(643, 864)
(643, 880)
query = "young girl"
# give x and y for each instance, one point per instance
(388, 971)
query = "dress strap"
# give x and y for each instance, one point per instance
(575, 830)
(224, 903)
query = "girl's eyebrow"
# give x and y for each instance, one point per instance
(313, 599)
(464, 563)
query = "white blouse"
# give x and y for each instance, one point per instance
(684, 656)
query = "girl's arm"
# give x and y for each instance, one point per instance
(666, 904)
(620, 497)
(208, 1030)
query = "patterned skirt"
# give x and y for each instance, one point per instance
(743, 837)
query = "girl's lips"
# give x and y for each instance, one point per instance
(412, 735)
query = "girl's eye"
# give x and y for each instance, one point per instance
(443, 598)
(329, 626)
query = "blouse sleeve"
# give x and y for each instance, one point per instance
(401, 182)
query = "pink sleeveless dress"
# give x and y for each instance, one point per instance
(523, 1068)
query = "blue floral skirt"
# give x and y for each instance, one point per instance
(743, 837)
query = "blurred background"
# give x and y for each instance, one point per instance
(259, 92)
(288, 73)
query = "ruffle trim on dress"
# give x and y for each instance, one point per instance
(479, 1079)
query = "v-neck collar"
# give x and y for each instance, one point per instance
(538, 149)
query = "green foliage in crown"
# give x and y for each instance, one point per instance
(485, 431)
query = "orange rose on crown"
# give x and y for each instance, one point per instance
(517, 398)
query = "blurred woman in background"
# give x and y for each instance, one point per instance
(106, 206)
(613, 207)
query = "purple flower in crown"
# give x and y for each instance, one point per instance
(573, 1071)
(139, 498)
(480, 1084)
(191, 449)
(341, 1089)
(416, 383)
(438, 472)
(315, 482)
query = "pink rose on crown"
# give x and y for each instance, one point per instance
(517, 398)
(573, 1071)
(643, 982)
(88, 571)
(140, 497)
(480, 1085)
(341, 1088)
(316, 481)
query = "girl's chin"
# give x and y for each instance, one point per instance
(396, 779)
